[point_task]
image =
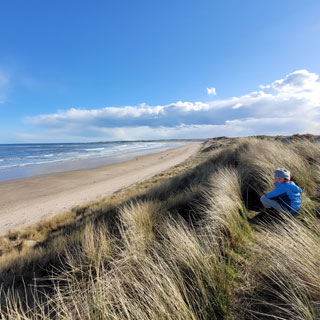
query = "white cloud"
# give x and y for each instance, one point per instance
(289, 105)
(212, 91)
(238, 105)
(264, 87)
(297, 81)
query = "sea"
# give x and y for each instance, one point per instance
(27, 160)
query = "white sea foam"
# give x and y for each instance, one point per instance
(41, 156)
(19, 165)
(94, 149)
(22, 163)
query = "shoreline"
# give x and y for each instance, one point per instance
(63, 165)
(28, 200)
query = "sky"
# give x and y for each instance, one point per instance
(104, 70)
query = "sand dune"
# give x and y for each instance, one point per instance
(24, 201)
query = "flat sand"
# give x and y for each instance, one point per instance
(28, 200)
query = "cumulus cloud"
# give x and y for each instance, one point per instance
(297, 81)
(212, 91)
(286, 106)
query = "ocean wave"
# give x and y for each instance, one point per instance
(41, 156)
(18, 165)
(94, 149)
(12, 159)
(32, 159)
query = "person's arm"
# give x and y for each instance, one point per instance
(277, 192)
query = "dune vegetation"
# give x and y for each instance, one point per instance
(179, 245)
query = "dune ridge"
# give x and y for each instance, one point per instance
(180, 245)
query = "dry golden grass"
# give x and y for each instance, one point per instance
(287, 275)
(12, 244)
(224, 206)
(178, 246)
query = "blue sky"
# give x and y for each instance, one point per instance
(112, 70)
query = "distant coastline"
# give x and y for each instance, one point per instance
(111, 142)
(32, 159)
(31, 199)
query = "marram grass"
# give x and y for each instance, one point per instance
(178, 246)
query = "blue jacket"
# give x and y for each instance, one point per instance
(288, 196)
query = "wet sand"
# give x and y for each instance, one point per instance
(28, 200)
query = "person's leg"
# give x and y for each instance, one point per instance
(268, 203)
(267, 217)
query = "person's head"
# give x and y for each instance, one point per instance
(281, 175)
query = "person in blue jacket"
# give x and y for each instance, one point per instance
(286, 197)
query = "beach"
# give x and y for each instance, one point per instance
(28, 200)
